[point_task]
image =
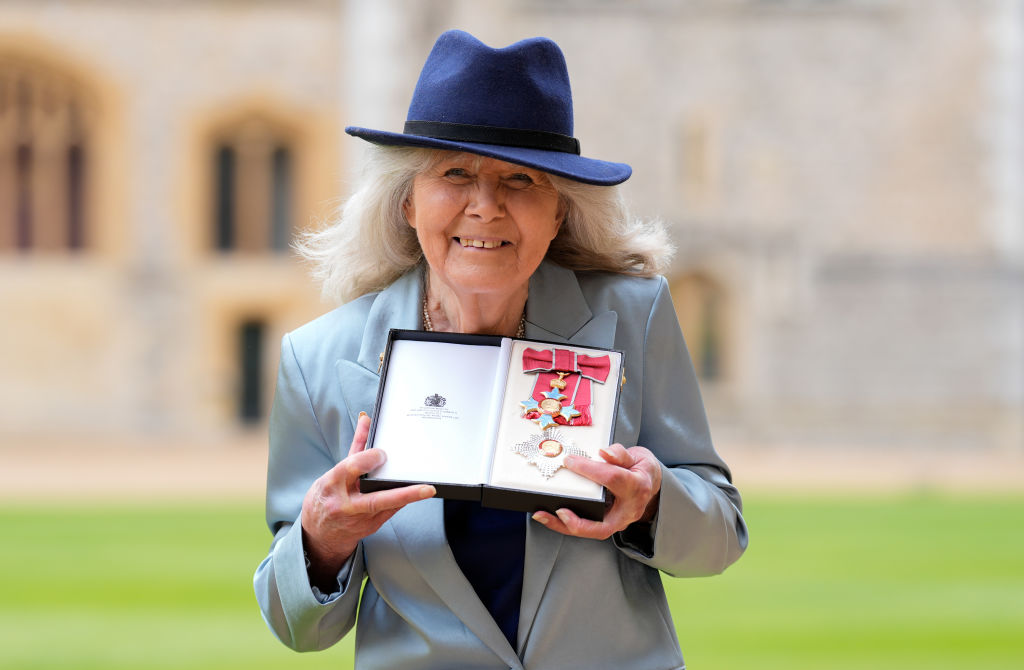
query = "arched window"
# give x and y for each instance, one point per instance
(253, 203)
(251, 345)
(699, 303)
(44, 159)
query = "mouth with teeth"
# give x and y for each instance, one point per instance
(480, 244)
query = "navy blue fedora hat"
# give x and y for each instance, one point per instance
(513, 104)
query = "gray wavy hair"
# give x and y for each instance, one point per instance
(369, 244)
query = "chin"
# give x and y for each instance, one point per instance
(484, 280)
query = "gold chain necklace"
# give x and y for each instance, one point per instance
(429, 326)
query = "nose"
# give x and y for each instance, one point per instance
(486, 200)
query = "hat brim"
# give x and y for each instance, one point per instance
(570, 166)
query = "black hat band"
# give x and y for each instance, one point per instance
(511, 137)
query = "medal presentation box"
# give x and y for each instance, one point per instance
(492, 419)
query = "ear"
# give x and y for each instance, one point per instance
(560, 214)
(409, 210)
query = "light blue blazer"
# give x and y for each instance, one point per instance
(585, 603)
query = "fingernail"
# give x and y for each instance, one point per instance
(362, 414)
(563, 515)
(427, 491)
(540, 519)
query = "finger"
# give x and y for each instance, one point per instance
(578, 527)
(544, 518)
(351, 468)
(359, 438)
(647, 463)
(611, 476)
(616, 454)
(568, 523)
(395, 499)
(550, 521)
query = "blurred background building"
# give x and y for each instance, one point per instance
(843, 179)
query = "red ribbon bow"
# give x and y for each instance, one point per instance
(564, 360)
(581, 369)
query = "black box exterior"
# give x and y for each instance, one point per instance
(522, 500)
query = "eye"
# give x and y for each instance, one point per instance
(457, 174)
(519, 180)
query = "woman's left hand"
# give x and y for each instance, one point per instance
(632, 476)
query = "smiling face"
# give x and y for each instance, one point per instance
(484, 225)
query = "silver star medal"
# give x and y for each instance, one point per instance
(547, 451)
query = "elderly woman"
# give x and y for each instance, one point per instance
(483, 217)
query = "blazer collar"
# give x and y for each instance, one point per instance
(558, 311)
(397, 306)
(556, 304)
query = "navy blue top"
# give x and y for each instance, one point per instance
(489, 546)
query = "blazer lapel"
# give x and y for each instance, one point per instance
(397, 306)
(358, 388)
(556, 311)
(542, 547)
(419, 529)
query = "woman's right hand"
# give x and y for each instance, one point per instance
(336, 516)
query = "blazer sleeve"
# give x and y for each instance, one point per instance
(699, 527)
(299, 615)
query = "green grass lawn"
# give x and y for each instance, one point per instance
(915, 582)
